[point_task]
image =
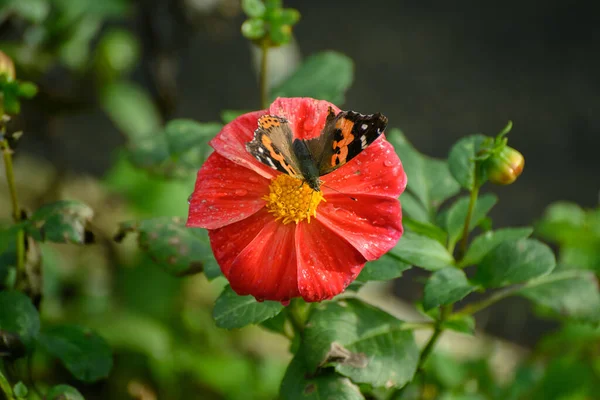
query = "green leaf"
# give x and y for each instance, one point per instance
(570, 293)
(446, 286)
(234, 311)
(253, 8)
(425, 229)
(461, 160)
(299, 384)
(422, 251)
(34, 11)
(362, 342)
(64, 392)
(18, 315)
(457, 214)
(131, 110)
(486, 242)
(326, 76)
(20, 390)
(386, 268)
(27, 90)
(85, 354)
(429, 179)
(5, 386)
(61, 222)
(413, 208)
(179, 250)
(178, 151)
(514, 262)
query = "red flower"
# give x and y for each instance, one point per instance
(267, 245)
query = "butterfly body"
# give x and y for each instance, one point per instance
(343, 137)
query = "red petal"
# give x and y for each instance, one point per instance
(375, 171)
(372, 224)
(257, 256)
(326, 263)
(231, 142)
(225, 193)
(307, 116)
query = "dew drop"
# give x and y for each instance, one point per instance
(190, 198)
(241, 192)
(388, 163)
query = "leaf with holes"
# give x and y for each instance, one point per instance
(61, 222)
(362, 342)
(85, 354)
(178, 249)
(515, 262)
(299, 384)
(235, 311)
(326, 76)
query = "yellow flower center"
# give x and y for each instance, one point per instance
(290, 199)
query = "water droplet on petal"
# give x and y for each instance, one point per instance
(285, 303)
(388, 163)
(190, 198)
(241, 192)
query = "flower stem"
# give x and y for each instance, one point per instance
(297, 315)
(12, 187)
(264, 92)
(465, 235)
(5, 387)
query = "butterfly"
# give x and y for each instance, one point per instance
(343, 137)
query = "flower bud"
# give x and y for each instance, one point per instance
(504, 167)
(7, 66)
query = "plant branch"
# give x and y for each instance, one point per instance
(465, 235)
(264, 92)
(12, 188)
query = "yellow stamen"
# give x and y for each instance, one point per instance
(291, 200)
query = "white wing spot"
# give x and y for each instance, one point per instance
(271, 163)
(364, 126)
(363, 142)
(261, 150)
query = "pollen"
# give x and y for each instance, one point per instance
(291, 200)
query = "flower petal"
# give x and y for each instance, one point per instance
(231, 143)
(258, 257)
(327, 264)
(225, 193)
(375, 171)
(372, 224)
(306, 116)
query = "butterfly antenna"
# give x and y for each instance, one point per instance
(335, 190)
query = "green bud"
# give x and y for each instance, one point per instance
(254, 29)
(253, 8)
(281, 34)
(286, 16)
(27, 90)
(505, 166)
(7, 67)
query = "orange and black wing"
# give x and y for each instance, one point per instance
(344, 136)
(272, 145)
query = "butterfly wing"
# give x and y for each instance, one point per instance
(272, 145)
(344, 136)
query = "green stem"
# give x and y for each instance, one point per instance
(297, 316)
(5, 387)
(12, 187)
(437, 331)
(465, 235)
(264, 92)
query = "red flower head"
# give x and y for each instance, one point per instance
(274, 236)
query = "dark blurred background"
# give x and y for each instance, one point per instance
(438, 70)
